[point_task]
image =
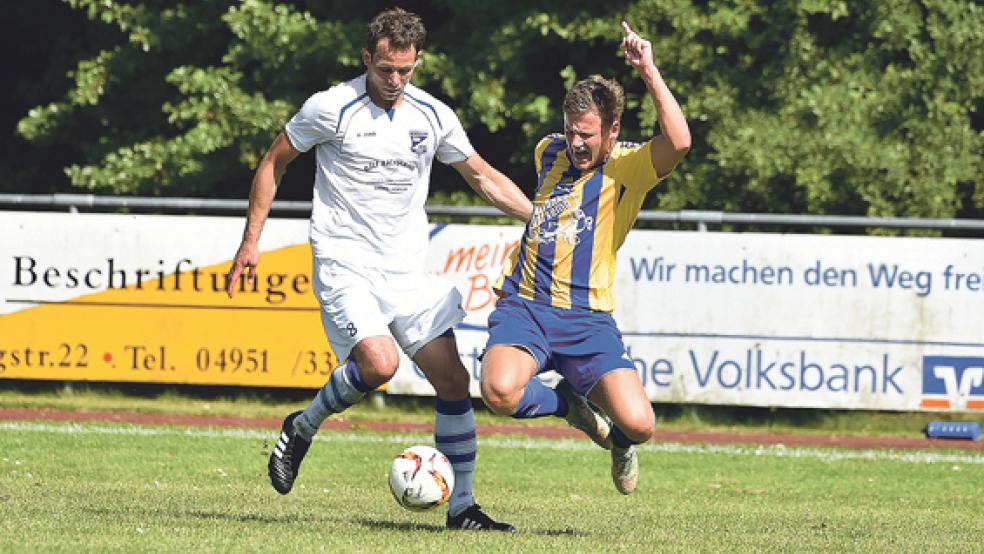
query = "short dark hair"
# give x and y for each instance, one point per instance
(401, 28)
(596, 92)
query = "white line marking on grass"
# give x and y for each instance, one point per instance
(773, 451)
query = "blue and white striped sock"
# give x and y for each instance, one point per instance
(454, 435)
(344, 388)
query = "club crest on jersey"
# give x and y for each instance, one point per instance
(547, 225)
(417, 139)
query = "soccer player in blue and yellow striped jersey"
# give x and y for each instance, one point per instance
(580, 219)
(556, 296)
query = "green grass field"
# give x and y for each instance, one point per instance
(104, 487)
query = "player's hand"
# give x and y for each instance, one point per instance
(247, 258)
(638, 52)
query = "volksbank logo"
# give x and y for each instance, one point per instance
(953, 383)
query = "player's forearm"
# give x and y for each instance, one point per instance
(272, 168)
(261, 196)
(672, 123)
(494, 187)
(502, 193)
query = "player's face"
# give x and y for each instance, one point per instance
(587, 140)
(388, 72)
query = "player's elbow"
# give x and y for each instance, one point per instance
(681, 143)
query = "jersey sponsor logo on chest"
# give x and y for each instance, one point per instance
(390, 164)
(547, 225)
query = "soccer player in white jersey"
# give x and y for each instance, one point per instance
(375, 138)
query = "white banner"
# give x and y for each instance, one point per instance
(718, 318)
(771, 319)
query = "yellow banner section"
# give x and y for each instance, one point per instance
(179, 328)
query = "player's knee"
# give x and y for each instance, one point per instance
(498, 396)
(377, 367)
(640, 426)
(642, 433)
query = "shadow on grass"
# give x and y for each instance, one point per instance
(208, 515)
(398, 526)
(249, 518)
(429, 528)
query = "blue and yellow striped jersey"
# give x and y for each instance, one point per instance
(566, 257)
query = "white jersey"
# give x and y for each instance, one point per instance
(373, 171)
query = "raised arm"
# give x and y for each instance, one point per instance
(673, 142)
(495, 187)
(268, 174)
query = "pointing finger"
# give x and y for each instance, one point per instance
(626, 29)
(232, 279)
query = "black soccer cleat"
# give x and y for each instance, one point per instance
(285, 460)
(474, 519)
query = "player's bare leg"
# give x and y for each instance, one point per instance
(509, 388)
(580, 415)
(372, 362)
(621, 395)
(505, 372)
(454, 431)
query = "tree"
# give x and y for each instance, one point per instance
(803, 106)
(41, 41)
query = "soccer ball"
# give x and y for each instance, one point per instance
(421, 478)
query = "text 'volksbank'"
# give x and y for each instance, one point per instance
(754, 369)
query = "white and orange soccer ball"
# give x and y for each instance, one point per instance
(421, 478)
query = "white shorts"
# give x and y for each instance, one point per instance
(360, 302)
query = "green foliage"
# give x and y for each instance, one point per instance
(802, 106)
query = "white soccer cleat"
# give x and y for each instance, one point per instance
(625, 468)
(580, 415)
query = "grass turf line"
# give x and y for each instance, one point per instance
(276, 404)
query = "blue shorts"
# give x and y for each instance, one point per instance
(582, 345)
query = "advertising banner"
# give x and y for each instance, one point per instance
(810, 321)
(813, 321)
(141, 298)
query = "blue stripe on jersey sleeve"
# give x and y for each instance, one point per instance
(547, 160)
(581, 266)
(341, 113)
(426, 105)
